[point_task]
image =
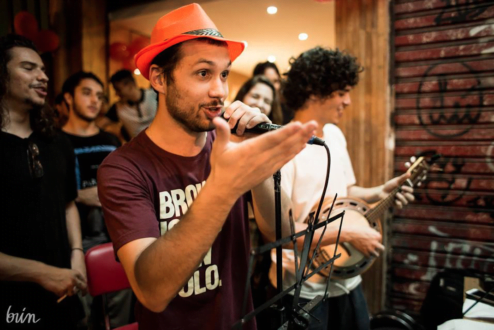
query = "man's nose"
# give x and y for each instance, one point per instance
(218, 89)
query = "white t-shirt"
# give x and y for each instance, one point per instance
(302, 179)
(133, 120)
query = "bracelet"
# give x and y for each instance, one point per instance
(78, 249)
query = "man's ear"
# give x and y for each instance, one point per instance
(157, 79)
(312, 99)
(69, 100)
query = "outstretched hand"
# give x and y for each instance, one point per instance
(238, 167)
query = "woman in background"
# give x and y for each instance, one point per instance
(260, 93)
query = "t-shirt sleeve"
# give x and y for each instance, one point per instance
(112, 113)
(127, 205)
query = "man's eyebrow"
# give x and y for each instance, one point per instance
(212, 63)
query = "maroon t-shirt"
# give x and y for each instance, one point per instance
(144, 191)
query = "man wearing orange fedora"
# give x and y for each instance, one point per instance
(172, 196)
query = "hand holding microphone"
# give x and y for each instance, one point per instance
(242, 113)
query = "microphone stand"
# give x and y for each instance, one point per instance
(279, 266)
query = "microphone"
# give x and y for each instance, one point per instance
(267, 127)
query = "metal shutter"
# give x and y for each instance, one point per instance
(444, 102)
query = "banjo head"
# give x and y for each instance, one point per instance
(351, 262)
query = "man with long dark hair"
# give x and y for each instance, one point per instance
(41, 257)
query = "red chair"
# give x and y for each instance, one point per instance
(105, 275)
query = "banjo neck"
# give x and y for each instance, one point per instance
(416, 170)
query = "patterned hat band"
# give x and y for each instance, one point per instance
(205, 32)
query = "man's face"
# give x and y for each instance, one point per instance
(273, 76)
(332, 107)
(124, 89)
(196, 94)
(87, 100)
(28, 82)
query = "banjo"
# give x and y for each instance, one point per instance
(357, 212)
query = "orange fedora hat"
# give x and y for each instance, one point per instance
(185, 23)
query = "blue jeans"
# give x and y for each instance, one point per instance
(346, 312)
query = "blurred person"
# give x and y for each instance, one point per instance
(61, 111)
(259, 92)
(135, 109)
(84, 97)
(41, 255)
(270, 71)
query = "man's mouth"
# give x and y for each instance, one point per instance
(41, 90)
(213, 111)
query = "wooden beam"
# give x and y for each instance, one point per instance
(362, 29)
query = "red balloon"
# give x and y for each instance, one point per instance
(129, 65)
(119, 51)
(26, 24)
(137, 44)
(46, 41)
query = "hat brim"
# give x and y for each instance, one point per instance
(146, 55)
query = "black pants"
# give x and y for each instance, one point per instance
(346, 312)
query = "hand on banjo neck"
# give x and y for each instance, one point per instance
(360, 241)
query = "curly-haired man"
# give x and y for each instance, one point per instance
(318, 88)
(41, 255)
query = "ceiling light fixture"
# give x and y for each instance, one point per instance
(303, 36)
(272, 58)
(137, 72)
(272, 10)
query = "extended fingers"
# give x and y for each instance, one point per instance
(292, 135)
(404, 197)
(275, 149)
(378, 250)
(403, 201)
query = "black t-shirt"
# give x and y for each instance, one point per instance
(32, 221)
(90, 151)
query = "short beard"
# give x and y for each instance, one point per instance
(34, 104)
(187, 118)
(80, 115)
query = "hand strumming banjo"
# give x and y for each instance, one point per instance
(357, 212)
